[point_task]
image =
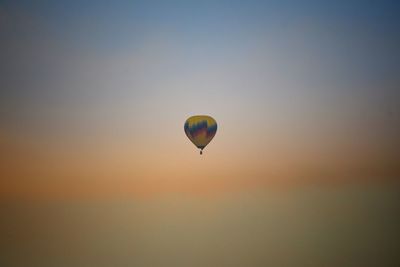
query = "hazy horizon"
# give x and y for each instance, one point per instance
(93, 100)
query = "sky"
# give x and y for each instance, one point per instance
(93, 100)
(97, 93)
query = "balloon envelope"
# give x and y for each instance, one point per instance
(200, 129)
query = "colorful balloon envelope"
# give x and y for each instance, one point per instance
(200, 129)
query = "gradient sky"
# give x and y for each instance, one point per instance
(94, 95)
(95, 167)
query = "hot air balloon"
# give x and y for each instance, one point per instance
(200, 129)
